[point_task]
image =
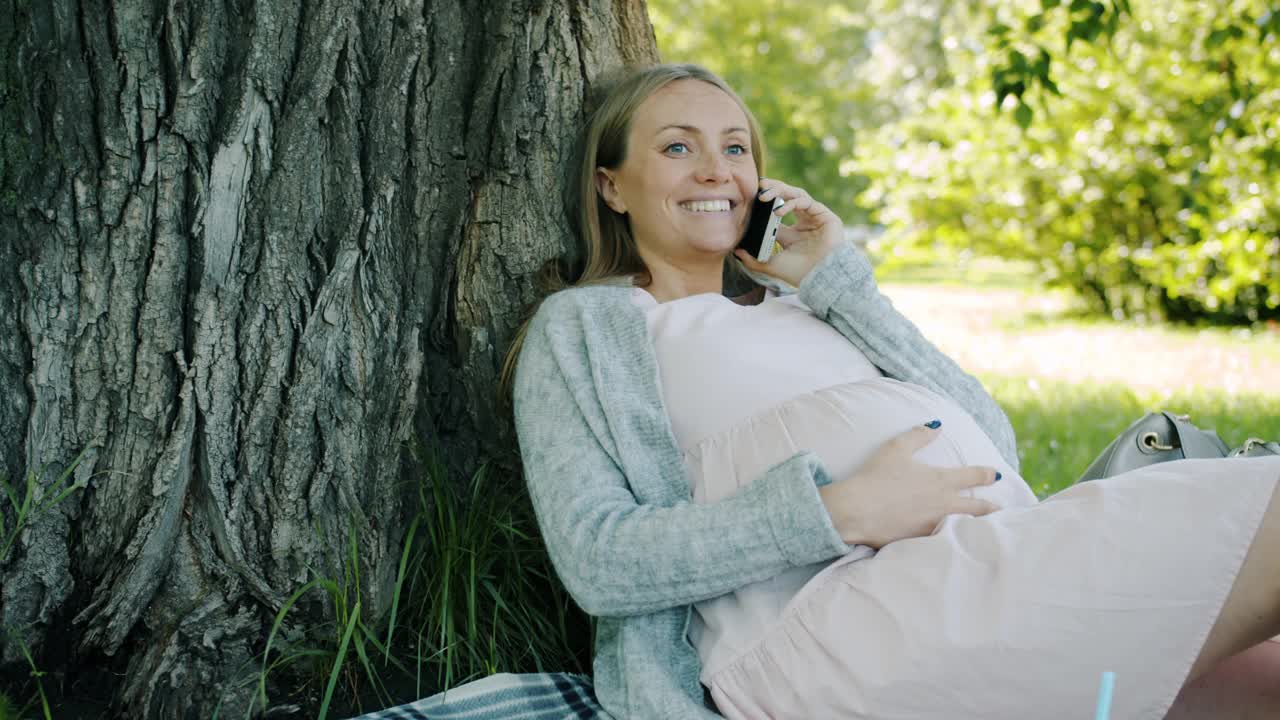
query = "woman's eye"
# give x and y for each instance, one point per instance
(677, 148)
(736, 149)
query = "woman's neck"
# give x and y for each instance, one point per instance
(754, 296)
(669, 281)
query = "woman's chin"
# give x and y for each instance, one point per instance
(715, 246)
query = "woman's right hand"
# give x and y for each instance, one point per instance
(893, 497)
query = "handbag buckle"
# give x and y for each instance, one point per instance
(1151, 440)
(1248, 446)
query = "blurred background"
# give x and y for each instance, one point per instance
(1077, 200)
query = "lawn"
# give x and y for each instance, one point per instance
(1062, 426)
(1071, 383)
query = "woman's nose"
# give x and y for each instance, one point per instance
(713, 168)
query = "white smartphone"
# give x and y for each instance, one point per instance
(762, 229)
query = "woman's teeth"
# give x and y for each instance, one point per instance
(706, 206)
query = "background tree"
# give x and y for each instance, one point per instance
(1137, 174)
(1125, 147)
(248, 250)
(809, 72)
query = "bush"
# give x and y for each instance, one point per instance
(1147, 186)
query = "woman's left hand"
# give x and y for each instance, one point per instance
(816, 232)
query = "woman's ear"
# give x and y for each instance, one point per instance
(607, 186)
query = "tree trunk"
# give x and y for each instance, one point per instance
(248, 251)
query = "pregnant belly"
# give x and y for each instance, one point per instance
(843, 425)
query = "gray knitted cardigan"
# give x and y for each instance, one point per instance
(612, 499)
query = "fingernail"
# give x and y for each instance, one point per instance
(933, 424)
(760, 192)
(998, 476)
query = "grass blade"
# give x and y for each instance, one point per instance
(400, 575)
(338, 661)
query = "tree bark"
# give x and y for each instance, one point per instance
(248, 251)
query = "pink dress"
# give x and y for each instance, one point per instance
(1012, 615)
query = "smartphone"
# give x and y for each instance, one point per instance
(762, 228)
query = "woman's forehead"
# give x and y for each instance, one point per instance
(689, 104)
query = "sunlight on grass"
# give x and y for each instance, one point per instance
(1002, 328)
(1070, 382)
(906, 266)
(1063, 426)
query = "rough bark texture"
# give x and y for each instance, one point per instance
(249, 250)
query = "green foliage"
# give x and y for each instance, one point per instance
(1145, 186)
(19, 506)
(1063, 426)
(1126, 147)
(480, 590)
(798, 66)
(8, 709)
(35, 500)
(474, 594)
(1022, 60)
(353, 632)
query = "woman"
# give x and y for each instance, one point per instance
(680, 450)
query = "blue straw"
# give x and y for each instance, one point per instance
(1105, 692)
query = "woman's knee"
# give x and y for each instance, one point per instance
(1251, 613)
(1245, 685)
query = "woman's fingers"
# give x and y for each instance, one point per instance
(795, 198)
(769, 189)
(893, 496)
(912, 440)
(804, 203)
(972, 506)
(963, 478)
(816, 232)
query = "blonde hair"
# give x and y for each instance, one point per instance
(604, 236)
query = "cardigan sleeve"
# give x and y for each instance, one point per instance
(842, 290)
(619, 557)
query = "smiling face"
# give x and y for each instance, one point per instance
(688, 178)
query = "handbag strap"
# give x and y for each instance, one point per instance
(1196, 443)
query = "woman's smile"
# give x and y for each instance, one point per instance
(706, 207)
(686, 177)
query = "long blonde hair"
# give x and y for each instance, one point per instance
(604, 236)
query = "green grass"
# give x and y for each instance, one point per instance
(1063, 426)
(32, 499)
(480, 591)
(24, 503)
(1260, 340)
(474, 595)
(952, 268)
(9, 710)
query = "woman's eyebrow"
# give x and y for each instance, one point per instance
(692, 129)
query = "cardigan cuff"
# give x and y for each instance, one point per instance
(801, 526)
(842, 270)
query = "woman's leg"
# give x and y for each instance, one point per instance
(1252, 611)
(1245, 685)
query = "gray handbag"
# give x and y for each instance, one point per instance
(1253, 447)
(1160, 437)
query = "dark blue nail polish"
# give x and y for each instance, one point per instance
(933, 424)
(998, 476)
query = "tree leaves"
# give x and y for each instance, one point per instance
(1143, 177)
(1085, 20)
(1023, 115)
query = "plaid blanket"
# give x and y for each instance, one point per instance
(505, 696)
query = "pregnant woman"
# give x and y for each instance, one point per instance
(798, 505)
